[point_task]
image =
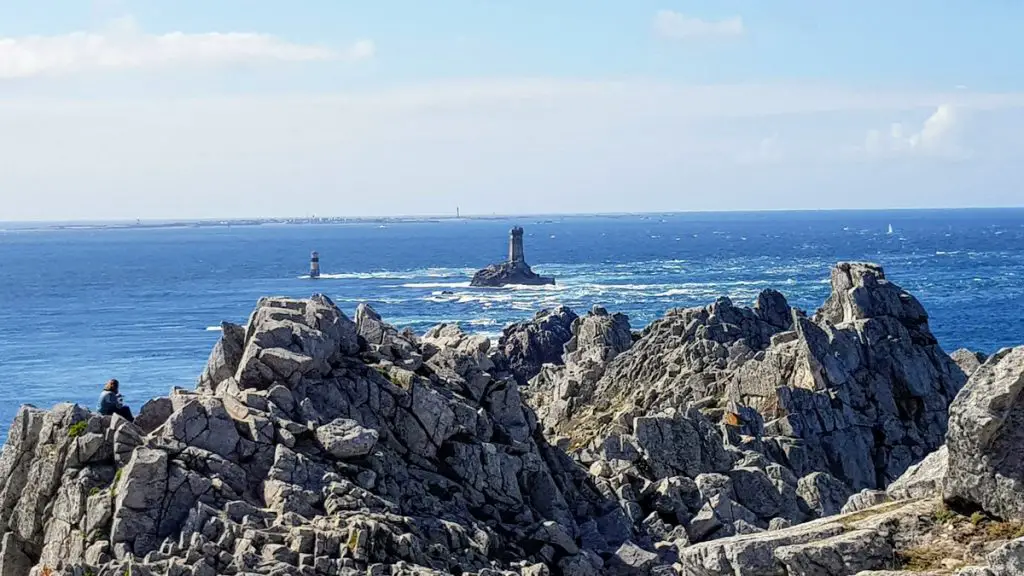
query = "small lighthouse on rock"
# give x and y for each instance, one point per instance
(515, 245)
(314, 265)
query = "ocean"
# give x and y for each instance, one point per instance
(80, 306)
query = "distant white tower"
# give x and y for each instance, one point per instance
(314, 265)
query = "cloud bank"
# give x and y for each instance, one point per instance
(937, 136)
(508, 146)
(123, 45)
(670, 24)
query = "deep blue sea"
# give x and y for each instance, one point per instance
(80, 306)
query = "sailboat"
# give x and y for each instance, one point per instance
(890, 229)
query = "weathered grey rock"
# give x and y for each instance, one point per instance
(863, 500)
(823, 494)
(13, 561)
(967, 360)
(863, 386)
(541, 340)
(154, 413)
(224, 359)
(839, 555)
(1008, 558)
(344, 439)
(986, 430)
(922, 479)
(630, 560)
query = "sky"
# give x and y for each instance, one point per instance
(125, 109)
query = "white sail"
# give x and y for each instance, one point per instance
(890, 228)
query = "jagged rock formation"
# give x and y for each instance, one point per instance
(530, 344)
(558, 391)
(861, 390)
(719, 440)
(907, 529)
(683, 357)
(310, 451)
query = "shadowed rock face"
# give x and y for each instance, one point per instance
(986, 433)
(541, 340)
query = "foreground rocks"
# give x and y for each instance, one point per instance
(719, 440)
(310, 447)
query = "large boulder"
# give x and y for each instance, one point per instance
(529, 345)
(986, 432)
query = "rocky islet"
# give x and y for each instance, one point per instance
(718, 440)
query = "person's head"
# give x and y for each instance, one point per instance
(111, 386)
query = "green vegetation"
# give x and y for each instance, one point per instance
(977, 518)
(77, 429)
(943, 515)
(94, 491)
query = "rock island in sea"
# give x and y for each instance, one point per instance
(514, 271)
(719, 440)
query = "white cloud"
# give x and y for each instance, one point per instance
(937, 136)
(123, 45)
(669, 24)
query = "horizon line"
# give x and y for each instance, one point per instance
(214, 220)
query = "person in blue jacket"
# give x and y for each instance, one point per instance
(112, 403)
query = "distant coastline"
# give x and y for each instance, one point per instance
(156, 224)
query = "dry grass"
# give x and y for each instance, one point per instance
(951, 541)
(927, 559)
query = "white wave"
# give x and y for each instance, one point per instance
(213, 328)
(544, 288)
(434, 285)
(365, 276)
(676, 292)
(484, 322)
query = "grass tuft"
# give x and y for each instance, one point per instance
(77, 429)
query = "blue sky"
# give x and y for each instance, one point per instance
(155, 109)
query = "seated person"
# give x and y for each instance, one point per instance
(111, 402)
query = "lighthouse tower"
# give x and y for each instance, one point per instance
(515, 245)
(314, 265)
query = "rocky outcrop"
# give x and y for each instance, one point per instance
(559, 391)
(862, 389)
(509, 273)
(986, 431)
(313, 451)
(719, 440)
(686, 356)
(528, 345)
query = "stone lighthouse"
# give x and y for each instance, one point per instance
(314, 265)
(515, 270)
(515, 245)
